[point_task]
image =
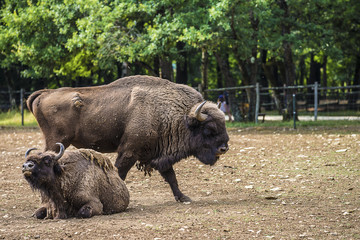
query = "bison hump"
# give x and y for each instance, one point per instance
(97, 159)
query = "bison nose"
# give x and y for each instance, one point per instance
(28, 166)
(224, 149)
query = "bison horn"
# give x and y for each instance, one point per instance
(28, 151)
(61, 152)
(200, 116)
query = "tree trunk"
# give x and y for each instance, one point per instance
(144, 65)
(263, 80)
(250, 92)
(302, 70)
(324, 77)
(219, 78)
(290, 81)
(229, 82)
(166, 69)
(122, 69)
(249, 78)
(288, 61)
(253, 62)
(157, 66)
(181, 64)
(271, 72)
(242, 66)
(315, 76)
(354, 96)
(204, 71)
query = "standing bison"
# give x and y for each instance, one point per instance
(143, 118)
(80, 183)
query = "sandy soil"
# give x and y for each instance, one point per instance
(272, 184)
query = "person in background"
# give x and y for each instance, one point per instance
(225, 107)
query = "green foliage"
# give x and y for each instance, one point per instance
(60, 42)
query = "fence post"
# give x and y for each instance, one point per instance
(22, 106)
(294, 110)
(316, 100)
(285, 97)
(257, 102)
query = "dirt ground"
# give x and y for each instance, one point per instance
(272, 184)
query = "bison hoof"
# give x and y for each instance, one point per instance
(85, 212)
(40, 213)
(183, 198)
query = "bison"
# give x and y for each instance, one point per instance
(146, 119)
(80, 183)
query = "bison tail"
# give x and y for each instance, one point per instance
(32, 97)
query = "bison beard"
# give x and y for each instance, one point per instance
(81, 183)
(142, 118)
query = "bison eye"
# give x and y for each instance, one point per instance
(47, 160)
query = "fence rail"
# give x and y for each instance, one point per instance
(311, 98)
(14, 100)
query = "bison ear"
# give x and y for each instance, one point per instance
(58, 169)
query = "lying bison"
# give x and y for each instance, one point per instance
(143, 118)
(79, 183)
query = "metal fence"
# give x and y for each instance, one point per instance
(14, 100)
(310, 98)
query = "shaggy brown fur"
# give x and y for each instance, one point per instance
(81, 183)
(143, 118)
(97, 158)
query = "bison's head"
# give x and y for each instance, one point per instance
(40, 170)
(209, 138)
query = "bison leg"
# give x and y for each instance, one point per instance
(94, 207)
(51, 144)
(40, 213)
(54, 135)
(124, 164)
(44, 212)
(58, 211)
(170, 177)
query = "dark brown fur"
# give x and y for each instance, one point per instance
(145, 119)
(81, 183)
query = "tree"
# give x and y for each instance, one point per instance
(41, 34)
(50, 43)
